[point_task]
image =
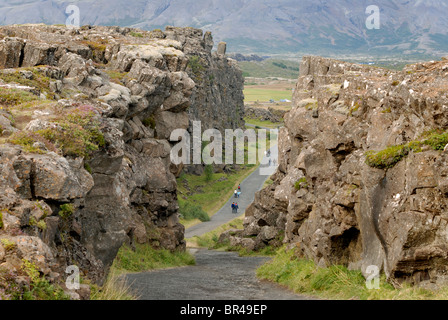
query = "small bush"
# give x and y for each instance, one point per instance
(437, 141)
(35, 288)
(136, 34)
(8, 244)
(208, 173)
(191, 211)
(66, 210)
(150, 122)
(76, 135)
(196, 67)
(302, 183)
(28, 141)
(13, 97)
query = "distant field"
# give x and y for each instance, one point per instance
(263, 95)
(271, 68)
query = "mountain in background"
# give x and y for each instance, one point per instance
(416, 27)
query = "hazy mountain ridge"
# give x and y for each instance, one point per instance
(409, 27)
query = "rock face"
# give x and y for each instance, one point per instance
(85, 126)
(361, 178)
(217, 99)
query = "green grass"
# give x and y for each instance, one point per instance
(146, 258)
(335, 282)
(271, 68)
(210, 241)
(301, 183)
(262, 123)
(210, 195)
(264, 95)
(390, 156)
(190, 211)
(12, 97)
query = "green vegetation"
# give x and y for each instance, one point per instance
(150, 122)
(190, 211)
(210, 239)
(271, 68)
(114, 288)
(264, 95)
(13, 97)
(390, 156)
(8, 245)
(78, 134)
(262, 123)
(436, 140)
(98, 49)
(302, 183)
(66, 210)
(336, 282)
(116, 76)
(195, 64)
(136, 34)
(36, 287)
(209, 195)
(208, 171)
(29, 141)
(145, 258)
(36, 79)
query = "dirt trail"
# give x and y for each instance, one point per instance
(216, 276)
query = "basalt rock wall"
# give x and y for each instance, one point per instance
(362, 171)
(85, 123)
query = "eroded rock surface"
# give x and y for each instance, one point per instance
(85, 130)
(335, 208)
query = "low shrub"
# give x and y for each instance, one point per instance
(191, 211)
(301, 183)
(77, 135)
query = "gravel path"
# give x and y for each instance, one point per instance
(249, 186)
(216, 276)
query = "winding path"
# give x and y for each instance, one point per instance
(217, 275)
(249, 186)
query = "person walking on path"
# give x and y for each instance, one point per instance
(236, 194)
(233, 207)
(236, 207)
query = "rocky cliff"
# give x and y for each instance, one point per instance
(85, 122)
(362, 176)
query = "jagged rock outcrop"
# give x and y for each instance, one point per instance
(85, 130)
(263, 114)
(217, 99)
(361, 178)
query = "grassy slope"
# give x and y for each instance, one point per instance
(268, 68)
(264, 95)
(335, 282)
